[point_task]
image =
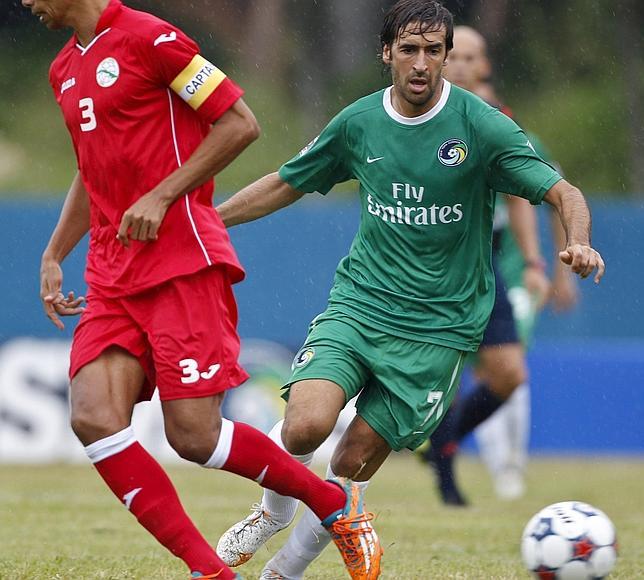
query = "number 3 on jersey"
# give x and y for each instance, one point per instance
(87, 112)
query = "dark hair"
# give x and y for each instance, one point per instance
(429, 14)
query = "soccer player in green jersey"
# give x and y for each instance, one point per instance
(414, 294)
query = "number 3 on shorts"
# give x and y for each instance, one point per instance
(190, 371)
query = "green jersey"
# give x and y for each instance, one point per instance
(420, 264)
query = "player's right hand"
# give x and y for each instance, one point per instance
(583, 260)
(55, 303)
(142, 219)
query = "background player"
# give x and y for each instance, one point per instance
(415, 292)
(500, 363)
(139, 101)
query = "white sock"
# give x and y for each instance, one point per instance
(111, 445)
(282, 508)
(305, 543)
(493, 439)
(520, 426)
(224, 444)
(503, 439)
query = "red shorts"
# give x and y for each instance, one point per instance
(183, 332)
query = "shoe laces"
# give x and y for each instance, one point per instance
(347, 532)
(258, 513)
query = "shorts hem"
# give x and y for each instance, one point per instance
(88, 358)
(286, 387)
(378, 428)
(233, 384)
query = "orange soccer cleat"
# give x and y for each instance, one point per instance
(353, 534)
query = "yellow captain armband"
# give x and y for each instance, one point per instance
(195, 83)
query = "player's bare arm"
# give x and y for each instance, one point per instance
(575, 218)
(523, 221)
(261, 198)
(229, 136)
(72, 225)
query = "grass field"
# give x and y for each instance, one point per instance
(59, 522)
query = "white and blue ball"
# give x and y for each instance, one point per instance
(569, 540)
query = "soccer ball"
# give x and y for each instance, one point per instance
(569, 540)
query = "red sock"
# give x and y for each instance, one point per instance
(145, 489)
(254, 456)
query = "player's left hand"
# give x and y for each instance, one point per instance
(537, 284)
(143, 219)
(583, 260)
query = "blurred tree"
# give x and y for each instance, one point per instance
(573, 70)
(629, 35)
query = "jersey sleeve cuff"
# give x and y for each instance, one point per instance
(545, 187)
(300, 186)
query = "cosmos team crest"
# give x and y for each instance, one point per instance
(453, 152)
(107, 72)
(303, 357)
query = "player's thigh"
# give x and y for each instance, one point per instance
(311, 412)
(502, 367)
(327, 372)
(191, 325)
(413, 385)
(103, 394)
(360, 452)
(110, 369)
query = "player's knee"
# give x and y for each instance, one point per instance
(191, 450)
(350, 462)
(507, 378)
(303, 435)
(192, 445)
(91, 425)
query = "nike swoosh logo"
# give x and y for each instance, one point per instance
(371, 160)
(262, 475)
(211, 372)
(166, 38)
(128, 498)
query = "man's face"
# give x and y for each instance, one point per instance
(467, 65)
(416, 62)
(52, 13)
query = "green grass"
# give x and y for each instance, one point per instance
(59, 522)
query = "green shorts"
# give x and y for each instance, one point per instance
(405, 386)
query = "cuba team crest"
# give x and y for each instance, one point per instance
(107, 72)
(452, 152)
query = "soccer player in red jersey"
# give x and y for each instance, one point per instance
(152, 121)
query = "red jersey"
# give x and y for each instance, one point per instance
(138, 100)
